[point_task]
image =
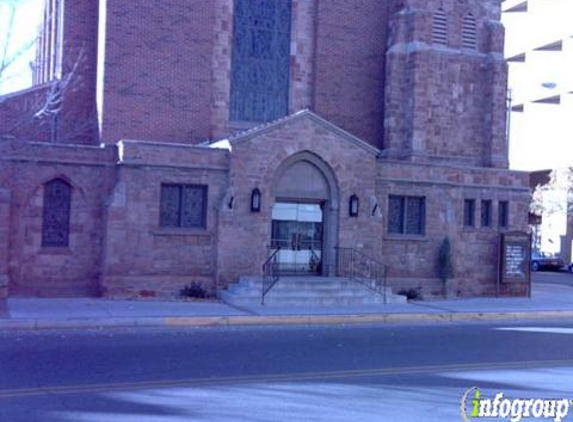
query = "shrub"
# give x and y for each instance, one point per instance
(411, 294)
(445, 267)
(194, 290)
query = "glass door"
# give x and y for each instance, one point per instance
(297, 231)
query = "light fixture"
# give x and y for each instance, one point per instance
(353, 206)
(256, 200)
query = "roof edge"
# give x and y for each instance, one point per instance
(305, 113)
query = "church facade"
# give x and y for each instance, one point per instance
(181, 141)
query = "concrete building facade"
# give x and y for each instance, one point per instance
(187, 140)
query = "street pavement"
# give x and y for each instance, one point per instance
(404, 372)
(549, 300)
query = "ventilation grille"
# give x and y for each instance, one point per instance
(469, 33)
(440, 27)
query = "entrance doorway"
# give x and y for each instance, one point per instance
(305, 215)
(297, 229)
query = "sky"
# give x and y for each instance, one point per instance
(19, 76)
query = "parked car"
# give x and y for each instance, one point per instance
(542, 261)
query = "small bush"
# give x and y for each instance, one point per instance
(411, 294)
(194, 291)
(445, 265)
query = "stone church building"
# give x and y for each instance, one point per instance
(167, 142)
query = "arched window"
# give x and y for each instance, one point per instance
(56, 215)
(440, 27)
(469, 32)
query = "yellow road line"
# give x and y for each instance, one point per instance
(303, 376)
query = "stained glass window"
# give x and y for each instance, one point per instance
(396, 215)
(486, 213)
(406, 215)
(469, 212)
(261, 60)
(415, 215)
(183, 206)
(503, 214)
(56, 214)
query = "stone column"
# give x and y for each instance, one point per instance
(4, 233)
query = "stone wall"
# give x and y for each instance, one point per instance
(244, 237)
(5, 194)
(141, 258)
(446, 103)
(37, 270)
(412, 260)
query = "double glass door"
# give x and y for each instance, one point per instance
(297, 230)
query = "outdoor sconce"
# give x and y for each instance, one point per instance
(256, 200)
(353, 206)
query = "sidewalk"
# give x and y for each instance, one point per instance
(550, 301)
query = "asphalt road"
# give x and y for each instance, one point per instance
(563, 277)
(358, 373)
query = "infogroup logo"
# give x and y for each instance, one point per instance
(474, 406)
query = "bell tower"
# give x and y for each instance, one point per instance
(446, 83)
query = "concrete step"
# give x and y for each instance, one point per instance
(306, 291)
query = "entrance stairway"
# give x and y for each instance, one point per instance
(311, 291)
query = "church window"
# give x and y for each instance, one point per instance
(469, 212)
(56, 213)
(406, 215)
(183, 206)
(486, 213)
(503, 214)
(261, 60)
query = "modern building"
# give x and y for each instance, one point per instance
(184, 141)
(539, 51)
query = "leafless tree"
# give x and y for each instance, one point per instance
(555, 196)
(42, 110)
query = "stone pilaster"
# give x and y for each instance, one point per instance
(4, 233)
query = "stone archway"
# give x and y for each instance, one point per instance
(307, 180)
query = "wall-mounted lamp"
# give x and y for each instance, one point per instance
(353, 206)
(256, 200)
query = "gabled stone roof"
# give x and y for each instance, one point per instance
(276, 124)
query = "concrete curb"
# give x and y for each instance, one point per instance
(274, 320)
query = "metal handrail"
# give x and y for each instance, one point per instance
(270, 273)
(359, 267)
(316, 259)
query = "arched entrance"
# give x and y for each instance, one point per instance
(305, 215)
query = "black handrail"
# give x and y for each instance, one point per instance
(270, 273)
(315, 263)
(359, 267)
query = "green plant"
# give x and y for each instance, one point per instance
(445, 266)
(194, 290)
